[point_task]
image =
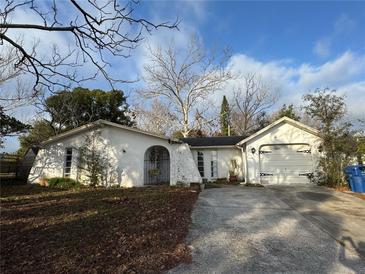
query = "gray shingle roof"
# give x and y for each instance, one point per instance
(213, 141)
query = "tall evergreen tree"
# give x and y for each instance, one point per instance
(225, 117)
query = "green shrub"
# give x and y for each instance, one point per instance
(61, 182)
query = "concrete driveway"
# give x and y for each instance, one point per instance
(262, 230)
(339, 214)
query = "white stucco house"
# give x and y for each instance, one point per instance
(285, 152)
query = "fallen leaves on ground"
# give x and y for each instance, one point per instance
(138, 230)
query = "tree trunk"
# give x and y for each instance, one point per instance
(186, 130)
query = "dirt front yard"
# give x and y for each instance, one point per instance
(135, 230)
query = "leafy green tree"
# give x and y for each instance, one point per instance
(10, 126)
(287, 111)
(40, 131)
(225, 118)
(360, 139)
(261, 120)
(360, 149)
(339, 145)
(71, 109)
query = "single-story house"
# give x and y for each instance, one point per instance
(285, 152)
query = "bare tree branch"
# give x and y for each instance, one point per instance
(184, 80)
(250, 102)
(158, 118)
(98, 28)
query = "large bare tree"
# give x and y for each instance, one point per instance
(251, 100)
(156, 118)
(184, 79)
(97, 29)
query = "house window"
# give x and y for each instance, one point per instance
(214, 165)
(68, 163)
(201, 163)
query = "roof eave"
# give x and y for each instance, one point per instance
(277, 122)
(71, 132)
(221, 146)
(138, 130)
(101, 123)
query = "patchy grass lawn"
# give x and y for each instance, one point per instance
(134, 230)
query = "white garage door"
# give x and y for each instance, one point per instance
(285, 164)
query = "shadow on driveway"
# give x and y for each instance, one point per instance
(339, 214)
(242, 229)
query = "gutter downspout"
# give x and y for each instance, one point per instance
(244, 163)
(246, 166)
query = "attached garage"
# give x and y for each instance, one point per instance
(285, 152)
(281, 163)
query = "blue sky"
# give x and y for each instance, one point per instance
(299, 46)
(273, 30)
(286, 30)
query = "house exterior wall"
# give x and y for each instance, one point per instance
(130, 164)
(282, 133)
(125, 151)
(50, 160)
(224, 157)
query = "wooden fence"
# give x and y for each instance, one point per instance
(14, 170)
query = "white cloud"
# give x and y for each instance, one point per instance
(322, 48)
(332, 73)
(344, 24)
(355, 99)
(163, 38)
(30, 36)
(345, 73)
(198, 8)
(341, 27)
(66, 43)
(271, 71)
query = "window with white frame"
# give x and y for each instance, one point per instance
(68, 163)
(214, 165)
(201, 163)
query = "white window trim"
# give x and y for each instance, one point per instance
(214, 164)
(67, 175)
(201, 154)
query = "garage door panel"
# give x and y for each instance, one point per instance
(295, 159)
(285, 164)
(288, 170)
(282, 179)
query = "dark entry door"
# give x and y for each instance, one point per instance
(156, 166)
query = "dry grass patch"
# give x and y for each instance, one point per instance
(135, 230)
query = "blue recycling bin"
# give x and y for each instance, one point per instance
(356, 177)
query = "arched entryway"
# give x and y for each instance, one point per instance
(156, 166)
